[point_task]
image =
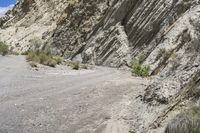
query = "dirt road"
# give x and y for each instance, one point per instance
(60, 100)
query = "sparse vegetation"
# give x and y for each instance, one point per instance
(26, 52)
(186, 122)
(36, 43)
(74, 64)
(33, 64)
(58, 59)
(84, 66)
(164, 53)
(175, 61)
(77, 65)
(139, 69)
(32, 56)
(41, 54)
(51, 62)
(3, 49)
(43, 58)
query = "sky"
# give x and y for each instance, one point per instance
(5, 5)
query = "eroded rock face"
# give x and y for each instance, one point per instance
(112, 32)
(76, 24)
(145, 24)
(182, 55)
(166, 32)
(63, 24)
(29, 19)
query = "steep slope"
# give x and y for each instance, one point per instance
(40, 19)
(164, 32)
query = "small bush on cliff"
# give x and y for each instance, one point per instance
(3, 49)
(139, 69)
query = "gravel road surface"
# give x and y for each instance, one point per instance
(61, 100)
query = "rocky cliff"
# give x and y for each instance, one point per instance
(166, 33)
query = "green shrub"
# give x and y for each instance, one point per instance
(139, 69)
(74, 64)
(32, 56)
(58, 59)
(3, 49)
(43, 58)
(51, 62)
(145, 71)
(33, 64)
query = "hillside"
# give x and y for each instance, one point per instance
(164, 33)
